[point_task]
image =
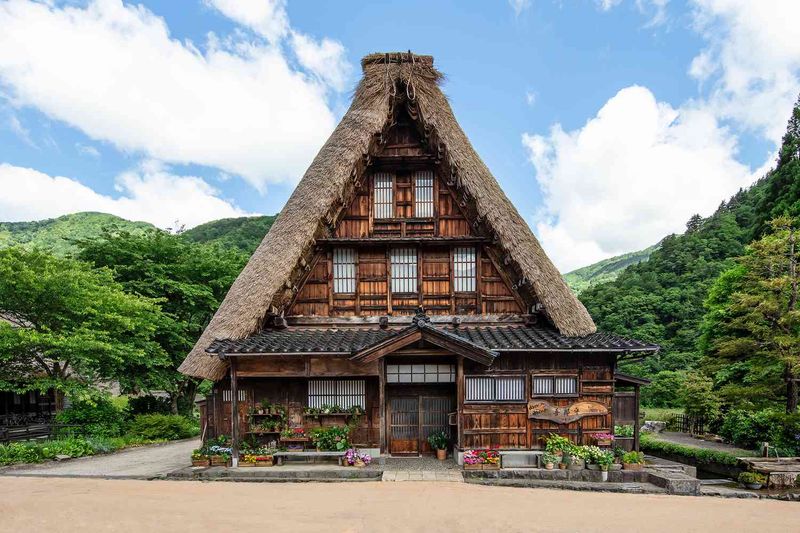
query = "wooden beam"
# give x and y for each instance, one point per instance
(234, 414)
(382, 404)
(459, 404)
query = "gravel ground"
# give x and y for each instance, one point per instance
(58, 504)
(143, 463)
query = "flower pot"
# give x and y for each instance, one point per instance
(441, 454)
(245, 464)
(562, 466)
(491, 466)
(359, 463)
(604, 475)
(476, 466)
(262, 464)
(604, 442)
(593, 467)
(219, 460)
(200, 462)
(615, 467)
(548, 466)
(753, 486)
(632, 466)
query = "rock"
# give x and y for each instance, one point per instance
(62, 457)
(654, 426)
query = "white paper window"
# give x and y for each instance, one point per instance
(345, 393)
(226, 395)
(555, 385)
(404, 270)
(464, 269)
(423, 194)
(344, 270)
(384, 195)
(495, 388)
(418, 373)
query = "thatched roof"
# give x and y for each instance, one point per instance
(267, 281)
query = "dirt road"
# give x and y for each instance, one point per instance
(145, 462)
(59, 504)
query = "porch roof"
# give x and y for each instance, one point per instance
(349, 340)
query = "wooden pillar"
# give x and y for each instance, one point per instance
(382, 403)
(636, 420)
(459, 404)
(234, 414)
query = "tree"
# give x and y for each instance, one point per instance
(752, 326)
(68, 326)
(698, 397)
(188, 279)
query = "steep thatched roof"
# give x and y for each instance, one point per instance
(329, 182)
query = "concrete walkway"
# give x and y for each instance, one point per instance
(147, 462)
(687, 440)
(448, 476)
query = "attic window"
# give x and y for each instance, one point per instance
(423, 194)
(404, 270)
(384, 195)
(344, 270)
(464, 269)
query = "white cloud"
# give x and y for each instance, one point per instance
(631, 175)
(87, 149)
(530, 98)
(149, 193)
(752, 59)
(519, 6)
(606, 5)
(114, 72)
(266, 17)
(326, 59)
(19, 130)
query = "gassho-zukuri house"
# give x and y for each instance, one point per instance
(399, 278)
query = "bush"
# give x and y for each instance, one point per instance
(748, 429)
(148, 405)
(699, 398)
(331, 438)
(662, 391)
(99, 417)
(36, 452)
(162, 427)
(701, 456)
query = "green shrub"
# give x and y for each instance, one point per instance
(162, 427)
(98, 417)
(748, 429)
(148, 405)
(752, 477)
(331, 438)
(651, 444)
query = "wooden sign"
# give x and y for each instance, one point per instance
(544, 410)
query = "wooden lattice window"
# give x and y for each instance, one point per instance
(384, 195)
(464, 271)
(344, 270)
(555, 386)
(423, 194)
(345, 393)
(404, 270)
(420, 373)
(494, 388)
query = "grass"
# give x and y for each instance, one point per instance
(660, 414)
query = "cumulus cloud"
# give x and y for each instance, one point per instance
(148, 193)
(114, 71)
(519, 6)
(631, 175)
(752, 61)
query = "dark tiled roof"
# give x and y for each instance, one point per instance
(348, 340)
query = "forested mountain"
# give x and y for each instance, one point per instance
(662, 299)
(605, 270)
(243, 233)
(60, 235)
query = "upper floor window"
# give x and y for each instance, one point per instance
(345, 393)
(404, 270)
(494, 388)
(464, 269)
(423, 194)
(344, 270)
(555, 386)
(384, 195)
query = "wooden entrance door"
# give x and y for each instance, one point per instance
(413, 419)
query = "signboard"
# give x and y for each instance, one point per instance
(544, 410)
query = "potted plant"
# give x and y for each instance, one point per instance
(633, 461)
(438, 442)
(604, 460)
(247, 461)
(549, 460)
(199, 458)
(752, 480)
(603, 439)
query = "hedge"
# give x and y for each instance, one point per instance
(40, 451)
(700, 456)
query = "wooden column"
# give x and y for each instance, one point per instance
(234, 414)
(636, 420)
(382, 403)
(459, 404)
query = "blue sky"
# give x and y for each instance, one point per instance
(608, 123)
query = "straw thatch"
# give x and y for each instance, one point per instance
(268, 278)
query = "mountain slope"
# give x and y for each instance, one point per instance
(605, 270)
(243, 233)
(58, 235)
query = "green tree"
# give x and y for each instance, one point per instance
(699, 398)
(188, 279)
(67, 326)
(752, 327)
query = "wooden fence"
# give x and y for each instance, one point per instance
(37, 431)
(686, 424)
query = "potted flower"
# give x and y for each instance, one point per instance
(199, 458)
(247, 461)
(752, 480)
(633, 461)
(604, 459)
(438, 442)
(352, 457)
(549, 460)
(220, 455)
(603, 439)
